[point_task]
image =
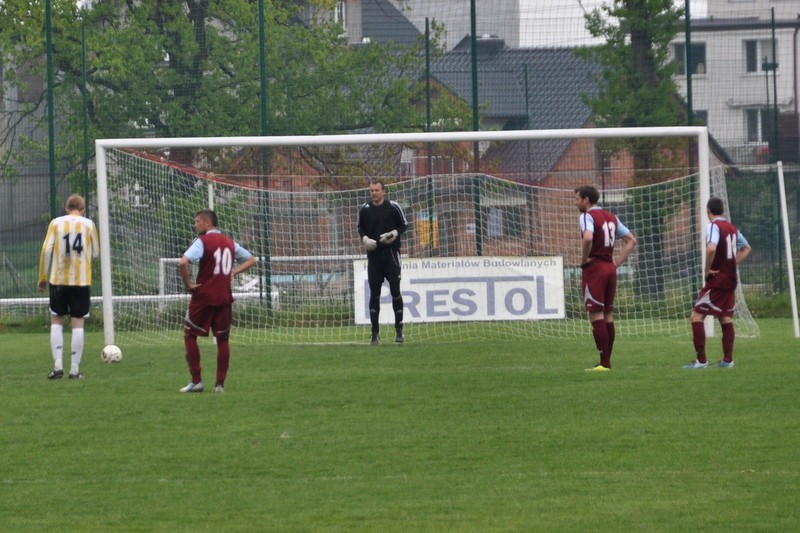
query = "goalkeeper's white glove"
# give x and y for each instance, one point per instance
(369, 244)
(388, 237)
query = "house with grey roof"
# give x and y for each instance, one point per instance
(518, 88)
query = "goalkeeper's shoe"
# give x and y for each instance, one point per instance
(55, 374)
(695, 365)
(399, 338)
(725, 364)
(376, 338)
(598, 368)
(193, 387)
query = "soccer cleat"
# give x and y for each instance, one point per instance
(55, 374)
(725, 364)
(75, 375)
(399, 338)
(193, 387)
(695, 365)
(219, 388)
(598, 368)
(376, 338)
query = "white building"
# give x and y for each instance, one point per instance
(738, 79)
(520, 23)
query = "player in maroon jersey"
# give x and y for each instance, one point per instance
(726, 247)
(599, 231)
(211, 302)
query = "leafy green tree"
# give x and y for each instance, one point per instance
(636, 85)
(637, 89)
(178, 68)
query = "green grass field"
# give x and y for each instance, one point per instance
(453, 437)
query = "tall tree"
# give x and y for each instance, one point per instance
(636, 84)
(637, 89)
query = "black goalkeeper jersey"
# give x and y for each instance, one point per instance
(374, 220)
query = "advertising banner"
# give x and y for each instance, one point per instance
(452, 289)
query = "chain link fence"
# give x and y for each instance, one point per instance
(372, 65)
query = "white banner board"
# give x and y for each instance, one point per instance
(452, 289)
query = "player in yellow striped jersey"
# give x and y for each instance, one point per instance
(66, 263)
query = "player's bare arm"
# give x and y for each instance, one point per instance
(711, 251)
(586, 246)
(183, 265)
(743, 252)
(628, 244)
(244, 265)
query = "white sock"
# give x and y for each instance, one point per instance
(57, 345)
(77, 350)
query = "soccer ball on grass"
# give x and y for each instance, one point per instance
(111, 354)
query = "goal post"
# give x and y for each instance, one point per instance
(308, 287)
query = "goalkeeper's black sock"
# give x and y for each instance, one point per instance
(397, 306)
(373, 319)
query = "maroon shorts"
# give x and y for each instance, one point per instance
(201, 319)
(716, 302)
(599, 286)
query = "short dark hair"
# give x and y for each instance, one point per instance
(716, 206)
(209, 215)
(588, 191)
(378, 182)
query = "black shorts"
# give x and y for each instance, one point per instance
(70, 300)
(384, 263)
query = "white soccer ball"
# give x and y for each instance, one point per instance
(111, 354)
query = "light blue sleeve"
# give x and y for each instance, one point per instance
(741, 242)
(586, 222)
(241, 253)
(195, 251)
(712, 234)
(622, 229)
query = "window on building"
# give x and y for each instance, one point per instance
(505, 221)
(700, 117)
(31, 88)
(698, 59)
(759, 124)
(758, 55)
(495, 222)
(408, 161)
(339, 13)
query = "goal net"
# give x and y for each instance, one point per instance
(492, 247)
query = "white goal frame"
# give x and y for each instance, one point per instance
(101, 145)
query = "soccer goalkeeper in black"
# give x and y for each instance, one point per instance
(380, 224)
